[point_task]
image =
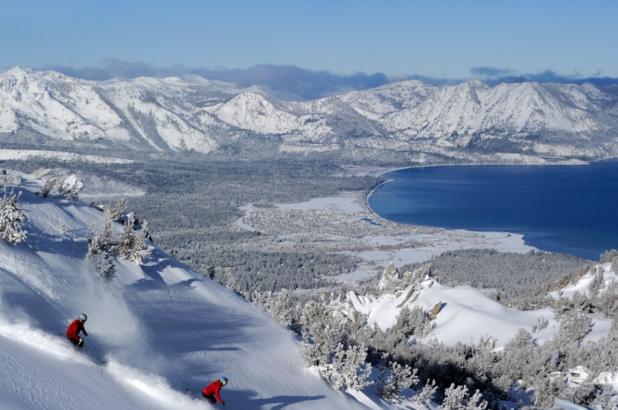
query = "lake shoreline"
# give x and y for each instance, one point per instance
(549, 243)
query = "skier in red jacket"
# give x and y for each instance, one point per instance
(75, 328)
(213, 390)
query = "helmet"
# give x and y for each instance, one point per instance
(223, 380)
(83, 317)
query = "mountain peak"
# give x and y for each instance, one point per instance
(251, 97)
(17, 71)
(252, 111)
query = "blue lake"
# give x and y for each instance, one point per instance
(569, 209)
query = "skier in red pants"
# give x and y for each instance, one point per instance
(212, 392)
(75, 328)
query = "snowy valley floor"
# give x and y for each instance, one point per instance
(344, 224)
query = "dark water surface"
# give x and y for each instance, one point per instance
(570, 209)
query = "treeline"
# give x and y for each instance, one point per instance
(248, 271)
(515, 279)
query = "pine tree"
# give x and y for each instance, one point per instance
(118, 210)
(574, 326)
(356, 369)
(71, 187)
(413, 322)
(11, 220)
(395, 380)
(132, 244)
(347, 368)
(476, 402)
(48, 187)
(281, 307)
(101, 250)
(456, 398)
(103, 264)
(518, 357)
(425, 395)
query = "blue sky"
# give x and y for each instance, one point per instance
(436, 38)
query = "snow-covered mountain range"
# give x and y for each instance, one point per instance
(410, 117)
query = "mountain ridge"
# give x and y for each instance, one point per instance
(190, 113)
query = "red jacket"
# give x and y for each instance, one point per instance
(214, 388)
(75, 328)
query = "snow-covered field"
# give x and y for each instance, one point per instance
(344, 224)
(95, 186)
(27, 154)
(157, 330)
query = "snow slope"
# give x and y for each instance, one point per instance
(154, 332)
(582, 284)
(466, 314)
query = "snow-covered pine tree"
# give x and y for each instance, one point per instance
(545, 391)
(340, 362)
(425, 395)
(413, 322)
(518, 359)
(356, 370)
(394, 380)
(280, 306)
(71, 187)
(348, 368)
(597, 282)
(145, 232)
(125, 242)
(322, 331)
(132, 244)
(607, 300)
(140, 249)
(118, 209)
(11, 219)
(476, 402)
(103, 264)
(574, 326)
(101, 250)
(457, 398)
(48, 187)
